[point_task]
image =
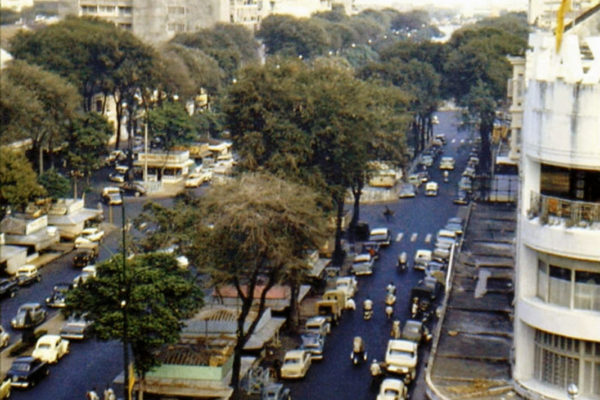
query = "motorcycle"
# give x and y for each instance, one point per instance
(389, 311)
(376, 374)
(402, 261)
(367, 309)
(396, 333)
(446, 176)
(390, 299)
(390, 289)
(358, 354)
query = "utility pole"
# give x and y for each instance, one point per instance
(146, 155)
(124, 305)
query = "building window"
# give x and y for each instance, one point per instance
(98, 106)
(176, 10)
(125, 26)
(107, 9)
(575, 287)
(124, 10)
(87, 10)
(560, 361)
(172, 27)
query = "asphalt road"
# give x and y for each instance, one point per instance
(95, 364)
(335, 377)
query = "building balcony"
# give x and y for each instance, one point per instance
(564, 227)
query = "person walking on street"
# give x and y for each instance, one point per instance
(109, 394)
(92, 395)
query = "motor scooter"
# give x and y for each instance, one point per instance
(402, 261)
(376, 374)
(395, 332)
(367, 309)
(358, 355)
(446, 176)
(389, 311)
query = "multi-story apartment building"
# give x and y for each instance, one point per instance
(542, 13)
(557, 298)
(157, 21)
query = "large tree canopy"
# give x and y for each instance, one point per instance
(18, 181)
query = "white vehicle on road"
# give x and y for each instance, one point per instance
(296, 364)
(422, 257)
(51, 348)
(392, 389)
(401, 358)
(89, 238)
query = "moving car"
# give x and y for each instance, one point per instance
(114, 156)
(348, 284)
(407, 190)
(196, 179)
(28, 316)
(133, 189)
(85, 257)
(422, 257)
(116, 177)
(89, 238)
(362, 264)
(8, 287)
(50, 348)
(75, 328)
(392, 389)
(462, 197)
(401, 358)
(295, 364)
(59, 293)
(27, 274)
(415, 331)
(465, 184)
(4, 337)
(427, 160)
(447, 163)
(431, 189)
(383, 236)
(86, 273)
(26, 372)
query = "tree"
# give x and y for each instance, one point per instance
(55, 106)
(260, 228)
(293, 37)
(18, 182)
(87, 145)
(150, 296)
(55, 184)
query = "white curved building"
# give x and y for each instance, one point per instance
(557, 300)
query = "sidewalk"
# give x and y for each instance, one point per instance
(471, 353)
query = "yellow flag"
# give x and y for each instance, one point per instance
(565, 7)
(131, 380)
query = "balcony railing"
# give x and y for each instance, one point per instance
(575, 213)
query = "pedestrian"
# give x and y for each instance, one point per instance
(109, 394)
(92, 395)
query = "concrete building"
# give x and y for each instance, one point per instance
(156, 21)
(557, 299)
(69, 216)
(16, 5)
(542, 13)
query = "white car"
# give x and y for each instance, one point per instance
(383, 236)
(422, 257)
(431, 189)
(86, 273)
(401, 358)
(295, 364)
(4, 337)
(197, 178)
(447, 163)
(362, 264)
(116, 177)
(50, 348)
(318, 324)
(392, 389)
(89, 237)
(348, 284)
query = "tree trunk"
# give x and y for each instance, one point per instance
(74, 186)
(41, 159)
(356, 192)
(294, 317)
(338, 253)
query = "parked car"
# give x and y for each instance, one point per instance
(114, 199)
(50, 348)
(415, 331)
(75, 328)
(392, 389)
(427, 160)
(401, 358)
(89, 237)
(373, 248)
(59, 293)
(422, 257)
(116, 177)
(415, 180)
(4, 337)
(453, 227)
(407, 190)
(383, 236)
(462, 197)
(85, 257)
(28, 316)
(275, 391)
(121, 169)
(26, 372)
(114, 156)
(86, 273)
(362, 264)
(27, 274)
(348, 284)
(133, 189)
(196, 179)
(431, 189)
(313, 343)
(318, 325)
(470, 172)
(8, 287)
(295, 364)
(465, 184)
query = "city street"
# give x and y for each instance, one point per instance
(414, 225)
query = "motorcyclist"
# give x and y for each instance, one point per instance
(368, 308)
(391, 288)
(414, 308)
(389, 311)
(445, 176)
(395, 333)
(375, 369)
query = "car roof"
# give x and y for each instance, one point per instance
(423, 251)
(294, 353)
(404, 345)
(379, 231)
(26, 267)
(49, 338)
(362, 257)
(393, 383)
(30, 305)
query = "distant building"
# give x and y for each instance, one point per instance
(557, 318)
(156, 21)
(16, 5)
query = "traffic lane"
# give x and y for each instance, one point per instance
(89, 364)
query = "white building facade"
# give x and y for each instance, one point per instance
(557, 299)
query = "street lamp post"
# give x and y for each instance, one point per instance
(572, 391)
(124, 301)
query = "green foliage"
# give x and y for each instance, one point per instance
(57, 186)
(293, 37)
(157, 295)
(171, 123)
(87, 143)
(18, 181)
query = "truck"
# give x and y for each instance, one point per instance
(331, 305)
